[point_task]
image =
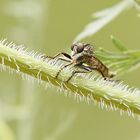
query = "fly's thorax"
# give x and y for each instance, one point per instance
(80, 57)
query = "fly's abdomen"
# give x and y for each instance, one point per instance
(101, 68)
(105, 71)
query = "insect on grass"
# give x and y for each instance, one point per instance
(82, 56)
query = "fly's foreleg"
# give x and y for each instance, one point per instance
(57, 55)
(63, 59)
(59, 58)
(61, 53)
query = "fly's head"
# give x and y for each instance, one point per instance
(81, 48)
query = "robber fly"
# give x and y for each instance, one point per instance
(84, 58)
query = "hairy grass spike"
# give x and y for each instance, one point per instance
(107, 94)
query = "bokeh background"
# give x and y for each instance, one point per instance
(28, 111)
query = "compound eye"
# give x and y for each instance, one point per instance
(77, 47)
(80, 48)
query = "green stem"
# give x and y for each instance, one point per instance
(109, 94)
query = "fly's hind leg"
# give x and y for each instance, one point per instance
(86, 69)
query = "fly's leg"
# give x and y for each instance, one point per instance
(61, 53)
(53, 57)
(96, 68)
(59, 58)
(63, 59)
(105, 78)
(87, 70)
(74, 72)
(62, 69)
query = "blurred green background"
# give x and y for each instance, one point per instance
(28, 111)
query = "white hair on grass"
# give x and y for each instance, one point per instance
(90, 88)
(79, 98)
